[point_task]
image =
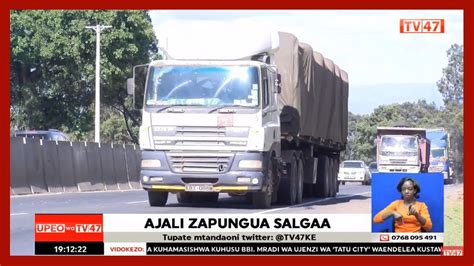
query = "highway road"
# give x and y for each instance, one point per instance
(352, 198)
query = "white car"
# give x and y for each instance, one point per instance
(354, 171)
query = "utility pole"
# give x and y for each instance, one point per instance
(98, 29)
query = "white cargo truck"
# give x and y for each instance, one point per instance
(267, 121)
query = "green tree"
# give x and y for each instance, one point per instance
(52, 68)
(451, 87)
(353, 119)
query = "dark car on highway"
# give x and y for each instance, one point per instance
(51, 134)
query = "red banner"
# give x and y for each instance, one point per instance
(69, 228)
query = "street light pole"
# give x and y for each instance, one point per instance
(98, 29)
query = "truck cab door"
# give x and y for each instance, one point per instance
(271, 117)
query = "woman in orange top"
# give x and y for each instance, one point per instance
(410, 215)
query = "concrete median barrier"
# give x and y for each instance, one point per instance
(81, 169)
(35, 166)
(51, 166)
(107, 161)
(40, 166)
(94, 166)
(18, 182)
(133, 168)
(120, 167)
(66, 167)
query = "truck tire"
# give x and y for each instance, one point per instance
(300, 181)
(263, 199)
(322, 183)
(157, 198)
(288, 189)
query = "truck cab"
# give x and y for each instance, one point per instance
(259, 119)
(402, 150)
(208, 126)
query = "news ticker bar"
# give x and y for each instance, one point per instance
(225, 248)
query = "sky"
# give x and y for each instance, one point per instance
(384, 65)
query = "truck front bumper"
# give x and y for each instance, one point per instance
(393, 168)
(233, 179)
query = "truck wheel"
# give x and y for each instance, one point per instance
(288, 187)
(300, 181)
(157, 198)
(322, 183)
(263, 199)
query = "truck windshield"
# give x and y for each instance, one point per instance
(437, 153)
(203, 85)
(399, 143)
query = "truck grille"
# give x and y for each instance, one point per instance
(200, 131)
(200, 143)
(202, 136)
(200, 162)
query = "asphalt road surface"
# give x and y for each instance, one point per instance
(352, 198)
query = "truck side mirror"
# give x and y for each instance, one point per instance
(137, 89)
(130, 86)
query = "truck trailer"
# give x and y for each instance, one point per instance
(269, 125)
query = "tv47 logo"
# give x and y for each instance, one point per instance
(421, 25)
(452, 251)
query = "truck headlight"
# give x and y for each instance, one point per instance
(253, 164)
(151, 163)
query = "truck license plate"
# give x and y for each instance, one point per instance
(198, 187)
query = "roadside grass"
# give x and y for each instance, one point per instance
(453, 223)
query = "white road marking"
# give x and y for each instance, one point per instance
(73, 193)
(20, 213)
(309, 202)
(134, 202)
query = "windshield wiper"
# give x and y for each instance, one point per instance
(175, 105)
(225, 106)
